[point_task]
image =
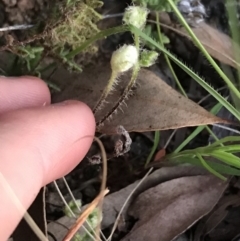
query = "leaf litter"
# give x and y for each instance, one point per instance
(151, 105)
(167, 191)
(209, 223)
(167, 210)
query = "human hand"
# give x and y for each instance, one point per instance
(39, 142)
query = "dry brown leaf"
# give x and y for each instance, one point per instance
(154, 105)
(216, 216)
(218, 44)
(167, 210)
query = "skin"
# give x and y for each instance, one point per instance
(39, 142)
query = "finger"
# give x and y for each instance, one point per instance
(21, 92)
(39, 145)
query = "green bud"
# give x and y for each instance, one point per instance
(95, 217)
(148, 58)
(124, 58)
(73, 207)
(136, 16)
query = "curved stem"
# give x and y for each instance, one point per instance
(106, 91)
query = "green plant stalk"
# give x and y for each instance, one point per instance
(211, 170)
(204, 51)
(219, 167)
(131, 83)
(199, 80)
(167, 59)
(129, 86)
(123, 96)
(106, 91)
(154, 148)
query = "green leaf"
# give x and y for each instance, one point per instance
(226, 139)
(227, 158)
(211, 170)
(219, 167)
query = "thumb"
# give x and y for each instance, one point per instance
(39, 145)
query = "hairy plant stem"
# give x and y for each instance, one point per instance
(106, 91)
(123, 97)
(128, 88)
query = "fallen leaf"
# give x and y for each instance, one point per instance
(154, 105)
(167, 210)
(216, 216)
(217, 44)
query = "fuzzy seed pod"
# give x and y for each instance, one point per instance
(136, 16)
(124, 58)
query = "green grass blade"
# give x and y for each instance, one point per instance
(203, 50)
(211, 170)
(199, 80)
(227, 158)
(229, 149)
(225, 140)
(219, 167)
